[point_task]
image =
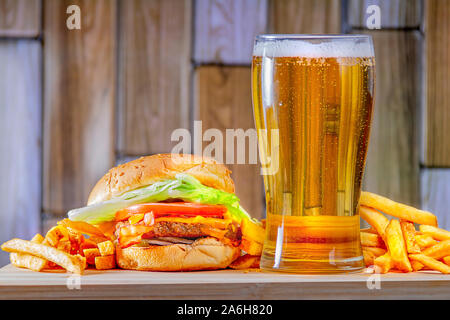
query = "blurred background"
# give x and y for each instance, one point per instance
(74, 103)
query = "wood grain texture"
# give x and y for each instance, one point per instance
(79, 102)
(20, 143)
(436, 138)
(435, 194)
(394, 13)
(222, 285)
(225, 30)
(154, 64)
(20, 18)
(392, 167)
(305, 16)
(223, 101)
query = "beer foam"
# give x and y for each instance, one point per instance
(301, 48)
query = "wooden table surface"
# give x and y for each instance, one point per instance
(18, 283)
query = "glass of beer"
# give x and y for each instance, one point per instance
(312, 99)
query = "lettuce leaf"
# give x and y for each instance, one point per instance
(184, 187)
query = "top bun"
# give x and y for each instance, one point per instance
(150, 169)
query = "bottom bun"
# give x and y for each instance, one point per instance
(202, 254)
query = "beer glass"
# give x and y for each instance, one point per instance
(312, 101)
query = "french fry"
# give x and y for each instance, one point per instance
(106, 248)
(409, 232)
(446, 260)
(375, 250)
(371, 240)
(24, 260)
(384, 263)
(376, 219)
(108, 228)
(251, 247)
(369, 230)
(256, 263)
(252, 231)
(54, 235)
(424, 241)
(37, 238)
(244, 262)
(436, 233)
(76, 239)
(416, 265)
(87, 244)
(397, 247)
(83, 227)
(96, 240)
(82, 260)
(439, 250)
(90, 255)
(397, 209)
(67, 261)
(65, 246)
(369, 258)
(105, 262)
(431, 263)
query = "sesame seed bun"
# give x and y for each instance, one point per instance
(150, 169)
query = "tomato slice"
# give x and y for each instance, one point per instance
(172, 209)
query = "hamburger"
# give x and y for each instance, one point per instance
(169, 212)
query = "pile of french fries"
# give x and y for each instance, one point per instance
(71, 245)
(388, 245)
(252, 244)
(76, 245)
(396, 245)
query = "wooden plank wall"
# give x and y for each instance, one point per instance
(305, 16)
(225, 30)
(20, 18)
(117, 88)
(20, 120)
(223, 101)
(436, 151)
(154, 74)
(435, 154)
(393, 158)
(392, 166)
(395, 14)
(224, 35)
(79, 101)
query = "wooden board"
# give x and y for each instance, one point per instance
(154, 74)
(20, 144)
(435, 194)
(79, 105)
(393, 13)
(223, 285)
(225, 30)
(20, 18)
(392, 167)
(223, 101)
(305, 16)
(436, 126)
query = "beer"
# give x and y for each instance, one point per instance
(318, 94)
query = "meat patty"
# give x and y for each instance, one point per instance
(184, 230)
(187, 230)
(175, 229)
